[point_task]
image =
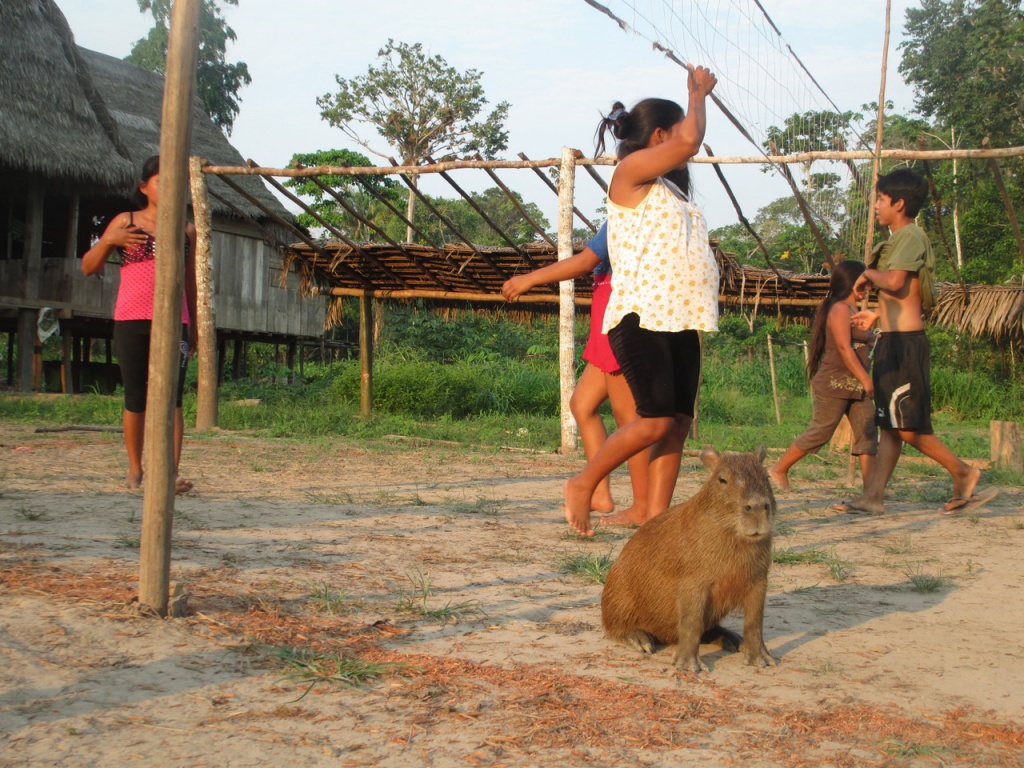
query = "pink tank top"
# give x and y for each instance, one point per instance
(138, 282)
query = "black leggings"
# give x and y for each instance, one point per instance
(131, 342)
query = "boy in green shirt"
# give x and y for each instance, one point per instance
(903, 270)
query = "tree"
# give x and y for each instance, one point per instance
(470, 224)
(420, 106)
(217, 81)
(354, 192)
(966, 62)
(816, 131)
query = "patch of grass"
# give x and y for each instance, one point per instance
(482, 506)
(838, 568)
(127, 542)
(926, 582)
(31, 514)
(417, 602)
(592, 567)
(312, 667)
(1018, 524)
(336, 499)
(327, 600)
(900, 545)
(790, 556)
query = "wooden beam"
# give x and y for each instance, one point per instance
(553, 188)
(165, 338)
(366, 355)
(519, 207)
(566, 304)
(206, 322)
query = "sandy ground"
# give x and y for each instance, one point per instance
(446, 568)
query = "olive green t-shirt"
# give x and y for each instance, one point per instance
(908, 249)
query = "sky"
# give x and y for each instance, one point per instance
(559, 63)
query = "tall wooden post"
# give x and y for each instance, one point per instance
(566, 300)
(33, 269)
(879, 136)
(206, 400)
(366, 354)
(165, 341)
(775, 388)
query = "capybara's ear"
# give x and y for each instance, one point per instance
(760, 453)
(710, 457)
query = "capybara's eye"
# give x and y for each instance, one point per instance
(723, 480)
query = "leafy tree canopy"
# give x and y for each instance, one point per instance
(356, 191)
(217, 81)
(419, 105)
(966, 61)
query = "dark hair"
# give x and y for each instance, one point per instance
(844, 276)
(906, 185)
(150, 168)
(633, 129)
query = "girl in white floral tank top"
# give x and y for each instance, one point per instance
(665, 290)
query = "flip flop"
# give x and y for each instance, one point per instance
(957, 504)
(841, 507)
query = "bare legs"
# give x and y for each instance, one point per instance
(890, 446)
(590, 392)
(624, 410)
(780, 469)
(134, 426)
(624, 443)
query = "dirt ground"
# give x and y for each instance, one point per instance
(900, 639)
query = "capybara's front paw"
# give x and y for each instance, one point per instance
(689, 661)
(640, 641)
(760, 658)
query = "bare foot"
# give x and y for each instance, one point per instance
(602, 500)
(134, 480)
(963, 486)
(781, 479)
(577, 508)
(632, 516)
(860, 506)
(181, 485)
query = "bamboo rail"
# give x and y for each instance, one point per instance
(449, 165)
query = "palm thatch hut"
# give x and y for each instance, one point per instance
(75, 127)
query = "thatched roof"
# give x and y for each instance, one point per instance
(996, 311)
(134, 97)
(53, 122)
(454, 271)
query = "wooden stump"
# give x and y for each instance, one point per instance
(1006, 442)
(842, 440)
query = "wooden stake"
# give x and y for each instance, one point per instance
(566, 305)
(366, 355)
(869, 236)
(165, 341)
(1006, 443)
(206, 399)
(775, 388)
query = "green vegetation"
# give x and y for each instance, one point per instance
(312, 667)
(590, 566)
(416, 602)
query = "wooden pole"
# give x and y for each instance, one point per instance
(566, 304)
(165, 341)
(869, 235)
(206, 399)
(536, 165)
(775, 388)
(366, 355)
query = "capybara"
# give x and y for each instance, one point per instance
(686, 569)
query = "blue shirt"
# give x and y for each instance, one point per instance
(599, 245)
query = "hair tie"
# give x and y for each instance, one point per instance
(616, 114)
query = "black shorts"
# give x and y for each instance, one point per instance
(902, 377)
(661, 368)
(131, 343)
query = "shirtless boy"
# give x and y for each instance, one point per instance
(902, 269)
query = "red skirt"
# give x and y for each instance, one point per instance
(598, 351)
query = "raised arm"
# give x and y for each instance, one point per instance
(118, 234)
(643, 166)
